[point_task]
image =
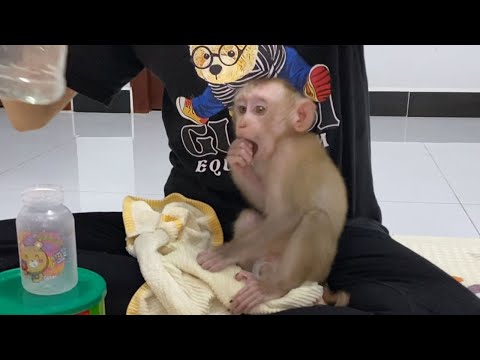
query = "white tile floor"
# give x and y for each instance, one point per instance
(426, 171)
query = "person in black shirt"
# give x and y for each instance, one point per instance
(382, 276)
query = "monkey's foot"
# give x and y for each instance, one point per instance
(335, 298)
(318, 86)
(213, 260)
(320, 301)
(252, 294)
(185, 108)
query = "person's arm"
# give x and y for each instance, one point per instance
(26, 117)
(96, 71)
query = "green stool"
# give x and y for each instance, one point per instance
(87, 298)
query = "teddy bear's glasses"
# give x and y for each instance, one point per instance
(202, 56)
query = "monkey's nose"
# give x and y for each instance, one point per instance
(241, 123)
(215, 69)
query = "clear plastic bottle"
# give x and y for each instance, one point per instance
(34, 74)
(46, 242)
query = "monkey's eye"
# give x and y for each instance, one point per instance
(241, 109)
(260, 110)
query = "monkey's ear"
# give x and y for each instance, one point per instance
(305, 115)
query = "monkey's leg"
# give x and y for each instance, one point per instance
(247, 220)
(214, 259)
(250, 246)
(309, 251)
(324, 248)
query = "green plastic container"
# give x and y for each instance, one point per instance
(87, 298)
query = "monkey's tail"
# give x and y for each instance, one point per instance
(339, 298)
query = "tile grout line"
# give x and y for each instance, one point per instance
(406, 119)
(19, 165)
(418, 202)
(451, 188)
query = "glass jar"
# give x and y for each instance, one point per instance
(46, 242)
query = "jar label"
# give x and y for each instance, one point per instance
(42, 255)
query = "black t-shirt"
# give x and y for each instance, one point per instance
(200, 81)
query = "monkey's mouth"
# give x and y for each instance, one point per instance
(254, 148)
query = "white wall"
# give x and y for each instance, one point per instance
(423, 67)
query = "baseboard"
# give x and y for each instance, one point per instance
(382, 103)
(119, 104)
(425, 104)
(388, 103)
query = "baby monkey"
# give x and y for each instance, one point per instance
(298, 198)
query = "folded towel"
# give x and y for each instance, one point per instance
(165, 236)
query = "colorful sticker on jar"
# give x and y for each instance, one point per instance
(42, 255)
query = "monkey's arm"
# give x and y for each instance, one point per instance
(239, 158)
(250, 186)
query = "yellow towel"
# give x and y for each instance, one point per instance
(165, 236)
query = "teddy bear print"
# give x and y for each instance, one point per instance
(226, 68)
(34, 261)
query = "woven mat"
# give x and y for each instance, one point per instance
(459, 257)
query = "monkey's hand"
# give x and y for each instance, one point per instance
(239, 158)
(254, 292)
(318, 86)
(240, 153)
(214, 260)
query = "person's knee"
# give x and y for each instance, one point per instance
(380, 298)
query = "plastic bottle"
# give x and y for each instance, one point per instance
(46, 242)
(33, 74)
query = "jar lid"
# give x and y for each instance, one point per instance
(15, 300)
(43, 194)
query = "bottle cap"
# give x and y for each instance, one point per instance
(43, 194)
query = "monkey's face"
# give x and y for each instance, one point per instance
(262, 115)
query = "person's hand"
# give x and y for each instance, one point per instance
(240, 153)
